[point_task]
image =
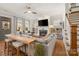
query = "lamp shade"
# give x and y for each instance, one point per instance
(51, 26)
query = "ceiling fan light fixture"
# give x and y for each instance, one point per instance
(29, 11)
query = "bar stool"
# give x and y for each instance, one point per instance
(7, 42)
(18, 45)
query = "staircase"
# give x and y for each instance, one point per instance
(78, 38)
(74, 19)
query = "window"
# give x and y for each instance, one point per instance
(22, 25)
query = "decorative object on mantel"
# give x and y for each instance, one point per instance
(51, 28)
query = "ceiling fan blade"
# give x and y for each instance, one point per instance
(25, 12)
(34, 12)
(28, 6)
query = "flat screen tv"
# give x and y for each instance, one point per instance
(43, 22)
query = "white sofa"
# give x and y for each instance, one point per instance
(50, 47)
(49, 44)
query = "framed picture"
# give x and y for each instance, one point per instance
(5, 25)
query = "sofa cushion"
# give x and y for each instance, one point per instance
(46, 41)
(41, 40)
(50, 37)
(39, 50)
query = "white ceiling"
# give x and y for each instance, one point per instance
(48, 9)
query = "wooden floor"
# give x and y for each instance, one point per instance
(2, 48)
(59, 49)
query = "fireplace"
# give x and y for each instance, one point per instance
(42, 32)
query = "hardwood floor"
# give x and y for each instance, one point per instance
(59, 49)
(2, 48)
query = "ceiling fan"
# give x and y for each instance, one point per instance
(29, 10)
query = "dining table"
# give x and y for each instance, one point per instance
(24, 39)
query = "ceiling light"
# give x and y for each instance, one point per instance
(29, 11)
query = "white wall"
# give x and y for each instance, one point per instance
(68, 36)
(67, 7)
(67, 29)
